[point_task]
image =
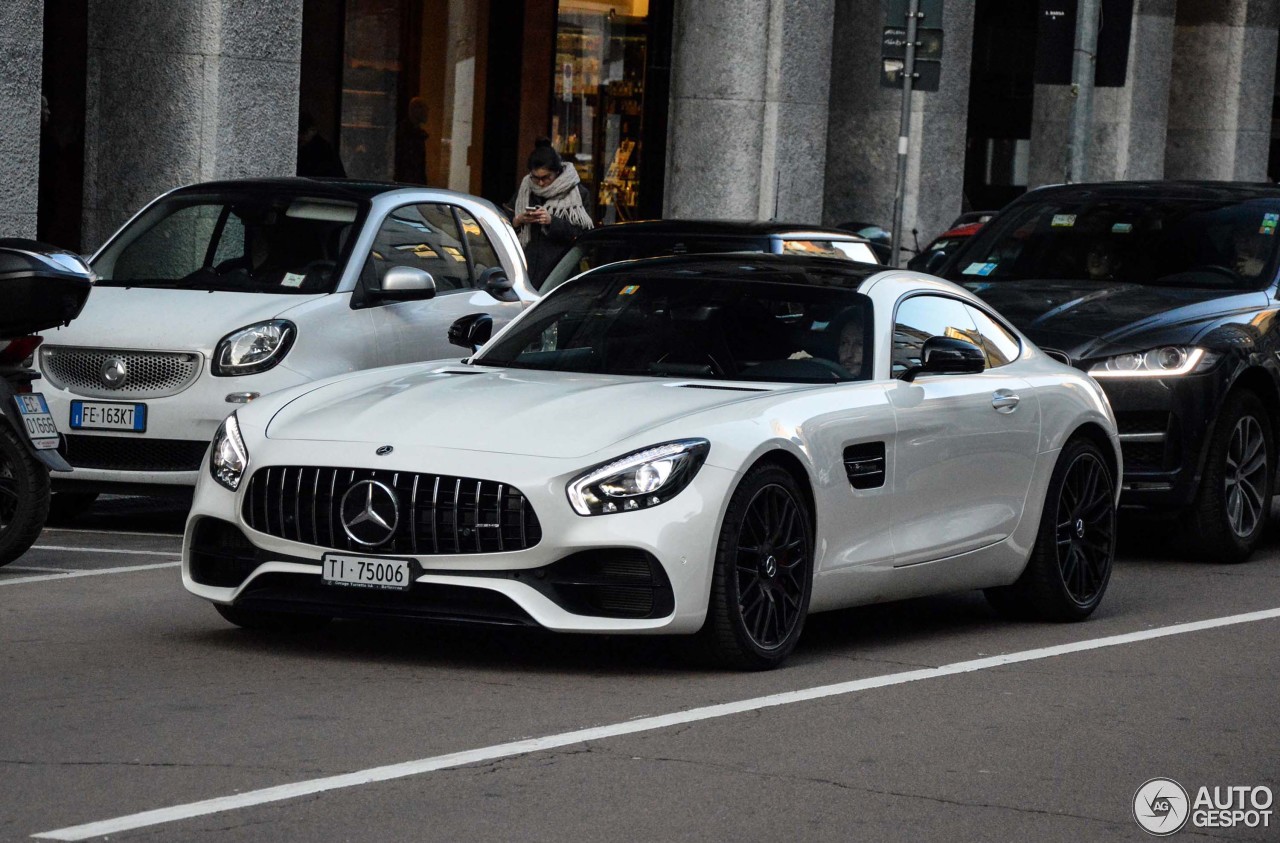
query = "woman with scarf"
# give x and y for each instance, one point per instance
(550, 210)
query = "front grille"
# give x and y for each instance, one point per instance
(147, 374)
(1142, 421)
(608, 582)
(131, 453)
(437, 514)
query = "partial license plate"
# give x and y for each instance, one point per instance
(35, 414)
(366, 572)
(108, 415)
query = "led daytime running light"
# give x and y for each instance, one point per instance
(638, 480)
(228, 457)
(1192, 360)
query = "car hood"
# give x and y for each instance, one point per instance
(172, 320)
(505, 411)
(1088, 319)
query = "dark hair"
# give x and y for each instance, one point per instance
(544, 157)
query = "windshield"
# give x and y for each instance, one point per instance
(1162, 242)
(245, 242)
(598, 251)
(693, 327)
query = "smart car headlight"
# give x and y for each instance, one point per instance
(638, 480)
(1163, 362)
(253, 349)
(228, 458)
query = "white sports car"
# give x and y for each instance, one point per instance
(715, 445)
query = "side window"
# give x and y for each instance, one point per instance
(821, 248)
(483, 255)
(174, 248)
(922, 317)
(1001, 346)
(855, 251)
(425, 237)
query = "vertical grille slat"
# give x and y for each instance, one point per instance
(465, 515)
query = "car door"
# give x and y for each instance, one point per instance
(449, 243)
(966, 443)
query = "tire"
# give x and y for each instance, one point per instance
(261, 620)
(1070, 564)
(763, 573)
(24, 496)
(67, 506)
(1229, 515)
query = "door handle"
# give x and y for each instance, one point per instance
(1004, 400)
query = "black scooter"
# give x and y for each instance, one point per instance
(41, 286)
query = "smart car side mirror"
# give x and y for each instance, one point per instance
(948, 356)
(495, 282)
(405, 283)
(471, 331)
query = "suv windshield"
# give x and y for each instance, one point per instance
(598, 251)
(1155, 241)
(245, 242)
(693, 327)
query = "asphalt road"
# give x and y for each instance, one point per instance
(122, 694)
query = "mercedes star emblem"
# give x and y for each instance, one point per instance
(384, 450)
(113, 372)
(370, 513)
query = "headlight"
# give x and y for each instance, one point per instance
(638, 480)
(228, 458)
(1163, 362)
(253, 349)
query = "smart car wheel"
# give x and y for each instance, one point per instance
(24, 496)
(1230, 512)
(763, 572)
(1070, 564)
(260, 620)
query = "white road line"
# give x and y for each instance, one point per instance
(102, 550)
(110, 532)
(98, 573)
(646, 724)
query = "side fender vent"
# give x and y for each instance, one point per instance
(864, 463)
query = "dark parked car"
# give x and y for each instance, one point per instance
(1167, 294)
(946, 243)
(656, 238)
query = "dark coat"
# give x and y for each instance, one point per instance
(547, 243)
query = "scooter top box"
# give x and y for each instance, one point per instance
(41, 286)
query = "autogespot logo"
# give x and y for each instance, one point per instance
(1160, 806)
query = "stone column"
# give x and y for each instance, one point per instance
(748, 114)
(1224, 62)
(21, 47)
(181, 91)
(1129, 123)
(862, 138)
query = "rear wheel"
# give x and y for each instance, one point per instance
(261, 620)
(1230, 513)
(24, 496)
(763, 573)
(1070, 564)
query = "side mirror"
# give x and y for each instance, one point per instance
(495, 282)
(948, 356)
(405, 283)
(934, 262)
(471, 331)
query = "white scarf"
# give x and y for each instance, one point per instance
(561, 199)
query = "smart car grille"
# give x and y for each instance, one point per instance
(146, 374)
(127, 453)
(433, 514)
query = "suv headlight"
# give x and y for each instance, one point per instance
(228, 458)
(1163, 362)
(638, 480)
(253, 349)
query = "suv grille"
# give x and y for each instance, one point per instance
(147, 374)
(433, 513)
(127, 453)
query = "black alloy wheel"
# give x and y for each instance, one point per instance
(763, 572)
(1230, 512)
(1070, 564)
(1245, 476)
(24, 496)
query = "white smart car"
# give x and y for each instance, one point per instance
(217, 293)
(714, 445)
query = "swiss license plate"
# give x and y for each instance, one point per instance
(108, 415)
(35, 414)
(366, 571)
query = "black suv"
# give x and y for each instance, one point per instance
(1166, 293)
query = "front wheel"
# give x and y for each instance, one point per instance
(763, 573)
(1229, 515)
(24, 496)
(1070, 565)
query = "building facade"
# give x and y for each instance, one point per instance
(717, 109)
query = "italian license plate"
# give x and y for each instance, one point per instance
(366, 572)
(108, 415)
(35, 414)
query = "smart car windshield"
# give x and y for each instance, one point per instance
(1155, 241)
(694, 327)
(246, 242)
